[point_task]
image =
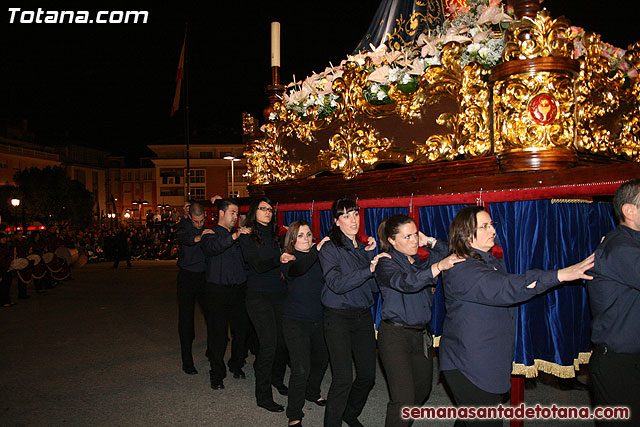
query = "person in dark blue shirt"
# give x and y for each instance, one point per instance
(302, 319)
(226, 278)
(191, 280)
(404, 340)
(614, 296)
(266, 292)
(481, 297)
(347, 297)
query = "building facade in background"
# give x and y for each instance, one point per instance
(125, 191)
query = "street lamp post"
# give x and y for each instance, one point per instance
(140, 204)
(233, 176)
(112, 218)
(15, 202)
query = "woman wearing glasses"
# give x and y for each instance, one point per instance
(347, 297)
(265, 294)
(404, 339)
(481, 297)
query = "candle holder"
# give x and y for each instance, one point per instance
(274, 92)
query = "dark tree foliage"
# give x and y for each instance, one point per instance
(51, 197)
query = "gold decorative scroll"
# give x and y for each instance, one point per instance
(356, 145)
(521, 125)
(627, 143)
(471, 133)
(267, 160)
(603, 100)
(536, 38)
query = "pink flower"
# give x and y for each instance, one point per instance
(482, 36)
(416, 67)
(380, 75)
(493, 15)
(392, 56)
(576, 52)
(576, 31)
(377, 54)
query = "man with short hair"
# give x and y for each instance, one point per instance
(226, 278)
(614, 295)
(191, 280)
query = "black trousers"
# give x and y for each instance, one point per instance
(22, 289)
(5, 287)
(191, 287)
(122, 257)
(465, 393)
(265, 312)
(227, 311)
(350, 337)
(615, 378)
(309, 359)
(409, 372)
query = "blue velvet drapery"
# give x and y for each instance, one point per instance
(326, 220)
(289, 216)
(555, 326)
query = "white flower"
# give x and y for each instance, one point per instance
(381, 95)
(483, 52)
(474, 47)
(272, 116)
(394, 74)
(406, 79)
(432, 60)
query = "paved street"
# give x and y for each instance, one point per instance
(102, 350)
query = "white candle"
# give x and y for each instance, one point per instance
(275, 44)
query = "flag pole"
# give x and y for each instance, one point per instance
(186, 113)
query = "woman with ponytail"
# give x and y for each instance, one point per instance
(347, 297)
(404, 338)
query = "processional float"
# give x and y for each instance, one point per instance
(454, 102)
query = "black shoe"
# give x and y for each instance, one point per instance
(238, 374)
(353, 423)
(272, 407)
(217, 385)
(320, 401)
(189, 370)
(566, 384)
(282, 389)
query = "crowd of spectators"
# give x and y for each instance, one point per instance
(152, 240)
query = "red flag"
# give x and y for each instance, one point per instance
(176, 98)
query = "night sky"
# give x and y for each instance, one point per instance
(111, 86)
